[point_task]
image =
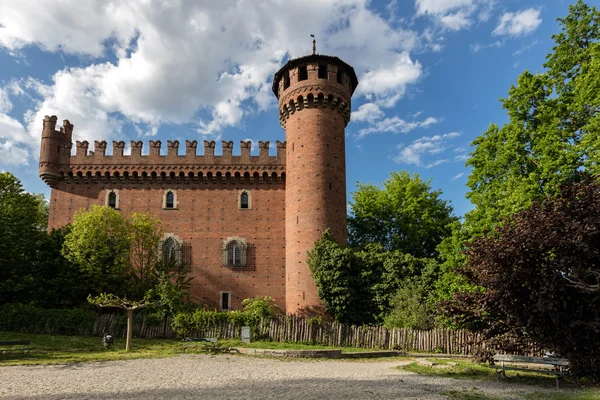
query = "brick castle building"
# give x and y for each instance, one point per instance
(245, 223)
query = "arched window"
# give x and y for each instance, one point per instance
(170, 200)
(171, 251)
(112, 199)
(234, 252)
(244, 200)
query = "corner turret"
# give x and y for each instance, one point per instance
(55, 150)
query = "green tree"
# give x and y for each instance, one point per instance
(99, 242)
(56, 282)
(358, 285)
(540, 272)
(553, 132)
(23, 219)
(406, 215)
(123, 257)
(552, 137)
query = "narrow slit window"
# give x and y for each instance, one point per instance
(225, 301)
(112, 200)
(339, 77)
(244, 200)
(170, 201)
(322, 71)
(302, 73)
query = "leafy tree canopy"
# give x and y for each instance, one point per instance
(554, 128)
(539, 271)
(405, 215)
(23, 218)
(358, 285)
(99, 242)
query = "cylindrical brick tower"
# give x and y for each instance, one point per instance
(55, 150)
(314, 95)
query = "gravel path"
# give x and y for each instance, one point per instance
(233, 377)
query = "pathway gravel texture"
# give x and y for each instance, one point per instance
(235, 377)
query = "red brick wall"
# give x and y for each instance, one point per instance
(206, 214)
(315, 175)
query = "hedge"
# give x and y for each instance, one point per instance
(24, 318)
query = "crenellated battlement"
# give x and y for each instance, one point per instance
(95, 165)
(118, 147)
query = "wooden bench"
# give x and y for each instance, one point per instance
(23, 343)
(560, 365)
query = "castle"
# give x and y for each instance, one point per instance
(245, 223)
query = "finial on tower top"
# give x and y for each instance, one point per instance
(314, 44)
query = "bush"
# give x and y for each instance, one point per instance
(28, 319)
(256, 310)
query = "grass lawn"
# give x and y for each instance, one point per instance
(59, 349)
(475, 394)
(466, 369)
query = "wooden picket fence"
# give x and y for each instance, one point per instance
(310, 331)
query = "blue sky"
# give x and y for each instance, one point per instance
(430, 71)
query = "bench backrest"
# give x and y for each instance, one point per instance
(533, 360)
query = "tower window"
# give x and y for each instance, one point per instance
(302, 73)
(286, 80)
(244, 200)
(322, 71)
(339, 77)
(234, 252)
(170, 200)
(112, 199)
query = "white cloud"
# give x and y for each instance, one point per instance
(5, 103)
(519, 23)
(525, 48)
(395, 125)
(14, 142)
(415, 153)
(368, 112)
(388, 84)
(455, 15)
(475, 48)
(12, 155)
(438, 7)
(208, 63)
(456, 21)
(458, 176)
(12, 130)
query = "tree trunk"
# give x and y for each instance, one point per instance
(129, 329)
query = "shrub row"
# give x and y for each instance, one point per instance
(29, 319)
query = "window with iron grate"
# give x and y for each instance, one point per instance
(234, 252)
(171, 251)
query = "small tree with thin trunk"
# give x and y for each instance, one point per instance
(110, 300)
